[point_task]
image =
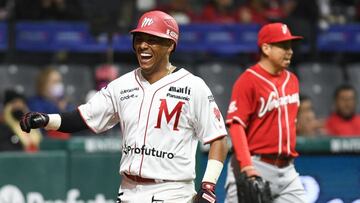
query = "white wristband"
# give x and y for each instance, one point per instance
(213, 170)
(54, 122)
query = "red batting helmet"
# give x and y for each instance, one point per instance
(159, 24)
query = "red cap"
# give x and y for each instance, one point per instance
(275, 32)
(159, 24)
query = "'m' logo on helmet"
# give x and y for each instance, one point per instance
(147, 22)
(284, 28)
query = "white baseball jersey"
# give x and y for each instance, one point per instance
(161, 123)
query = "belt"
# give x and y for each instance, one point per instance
(276, 160)
(140, 179)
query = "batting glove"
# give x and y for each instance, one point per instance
(33, 120)
(206, 194)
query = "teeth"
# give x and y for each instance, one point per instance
(145, 54)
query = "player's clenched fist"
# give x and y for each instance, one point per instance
(206, 194)
(33, 120)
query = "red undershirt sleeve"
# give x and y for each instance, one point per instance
(240, 145)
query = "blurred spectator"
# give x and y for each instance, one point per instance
(11, 136)
(6, 9)
(126, 16)
(50, 97)
(274, 10)
(261, 11)
(219, 11)
(181, 10)
(336, 12)
(104, 74)
(252, 12)
(307, 123)
(48, 10)
(344, 121)
(109, 16)
(145, 5)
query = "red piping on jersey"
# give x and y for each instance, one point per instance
(147, 120)
(142, 101)
(278, 109)
(286, 115)
(85, 121)
(218, 137)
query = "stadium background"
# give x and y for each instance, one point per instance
(94, 33)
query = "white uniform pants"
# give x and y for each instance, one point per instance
(165, 192)
(285, 183)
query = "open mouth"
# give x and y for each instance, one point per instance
(145, 57)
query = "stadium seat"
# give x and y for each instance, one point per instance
(78, 81)
(22, 78)
(353, 72)
(220, 78)
(3, 80)
(319, 81)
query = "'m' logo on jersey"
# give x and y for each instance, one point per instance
(147, 22)
(163, 109)
(183, 90)
(274, 102)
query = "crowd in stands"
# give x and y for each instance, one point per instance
(189, 11)
(343, 119)
(304, 18)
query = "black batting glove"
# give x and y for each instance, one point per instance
(206, 193)
(33, 120)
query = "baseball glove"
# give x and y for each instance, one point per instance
(253, 189)
(250, 189)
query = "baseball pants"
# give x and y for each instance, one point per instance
(285, 183)
(165, 192)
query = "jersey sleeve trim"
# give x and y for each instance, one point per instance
(216, 138)
(236, 119)
(82, 117)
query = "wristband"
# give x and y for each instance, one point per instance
(246, 168)
(54, 122)
(213, 170)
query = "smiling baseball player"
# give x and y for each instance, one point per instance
(163, 112)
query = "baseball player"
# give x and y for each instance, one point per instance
(163, 112)
(261, 119)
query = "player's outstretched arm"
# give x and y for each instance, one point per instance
(68, 122)
(217, 156)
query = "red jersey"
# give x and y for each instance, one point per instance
(266, 106)
(335, 125)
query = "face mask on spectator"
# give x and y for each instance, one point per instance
(57, 90)
(17, 114)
